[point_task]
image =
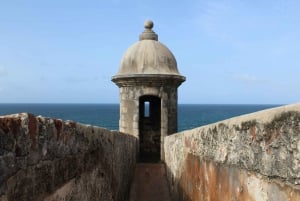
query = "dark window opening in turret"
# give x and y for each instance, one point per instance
(149, 128)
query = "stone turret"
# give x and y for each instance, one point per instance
(148, 79)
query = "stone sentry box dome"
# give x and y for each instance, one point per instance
(148, 79)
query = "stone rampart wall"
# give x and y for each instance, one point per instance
(49, 159)
(251, 157)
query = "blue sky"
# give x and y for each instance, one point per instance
(230, 51)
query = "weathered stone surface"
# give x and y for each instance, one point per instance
(207, 180)
(130, 114)
(262, 147)
(148, 56)
(251, 157)
(51, 159)
(148, 73)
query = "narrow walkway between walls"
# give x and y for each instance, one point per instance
(150, 183)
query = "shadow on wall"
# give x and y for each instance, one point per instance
(49, 159)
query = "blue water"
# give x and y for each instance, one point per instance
(107, 115)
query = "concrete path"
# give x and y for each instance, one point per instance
(150, 183)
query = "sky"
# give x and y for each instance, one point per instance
(231, 52)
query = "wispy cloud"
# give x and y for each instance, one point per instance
(76, 79)
(3, 71)
(82, 79)
(248, 78)
(116, 2)
(244, 23)
(43, 78)
(214, 19)
(245, 77)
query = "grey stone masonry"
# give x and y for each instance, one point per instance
(50, 159)
(148, 74)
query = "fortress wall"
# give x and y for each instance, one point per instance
(251, 157)
(49, 159)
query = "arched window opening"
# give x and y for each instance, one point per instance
(150, 128)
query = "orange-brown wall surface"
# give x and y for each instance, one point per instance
(251, 157)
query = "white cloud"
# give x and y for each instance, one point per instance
(245, 77)
(249, 79)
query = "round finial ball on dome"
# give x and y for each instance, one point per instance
(148, 24)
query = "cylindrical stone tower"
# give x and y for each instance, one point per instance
(148, 79)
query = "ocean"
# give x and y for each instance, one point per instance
(107, 115)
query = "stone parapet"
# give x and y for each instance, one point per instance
(251, 157)
(50, 159)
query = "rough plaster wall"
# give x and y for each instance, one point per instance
(49, 159)
(251, 157)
